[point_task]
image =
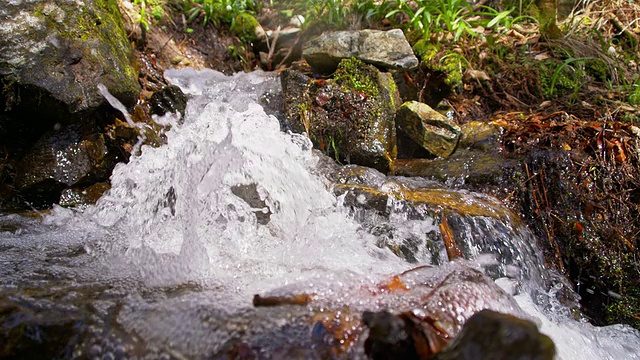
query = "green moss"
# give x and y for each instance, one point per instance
(450, 63)
(626, 309)
(245, 27)
(354, 75)
(597, 69)
(453, 65)
(425, 50)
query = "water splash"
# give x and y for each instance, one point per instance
(230, 207)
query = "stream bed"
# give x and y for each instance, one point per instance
(167, 263)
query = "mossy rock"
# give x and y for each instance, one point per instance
(55, 53)
(354, 75)
(449, 63)
(245, 27)
(350, 118)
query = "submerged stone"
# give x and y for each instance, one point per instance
(385, 49)
(423, 331)
(350, 118)
(428, 128)
(454, 223)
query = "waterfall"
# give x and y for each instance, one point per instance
(231, 207)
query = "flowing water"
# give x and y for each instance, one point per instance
(167, 263)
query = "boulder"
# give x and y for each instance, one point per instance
(385, 49)
(350, 117)
(54, 53)
(428, 128)
(425, 330)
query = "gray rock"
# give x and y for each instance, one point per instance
(385, 49)
(428, 128)
(53, 53)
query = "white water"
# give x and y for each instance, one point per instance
(172, 220)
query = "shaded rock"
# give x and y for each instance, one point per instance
(350, 118)
(446, 65)
(428, 128)
(26, 333)
(53, 54)
(72, 156)
(492, 335)
(389, 337)
(385, 49)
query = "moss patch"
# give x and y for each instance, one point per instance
(354, 75)
(245, 27)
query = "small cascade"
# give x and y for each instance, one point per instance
(167, 263)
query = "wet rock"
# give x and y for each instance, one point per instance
(389, 337)
(29, 334)
(250, 194)
(428, 128)
(71, 156)
(385, 49)
(350, 117)
(456, 222)
(492, 335)
(169, 99)
(53, 54)
(78, 197)
(423, 331)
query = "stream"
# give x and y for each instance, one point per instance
(167, 263)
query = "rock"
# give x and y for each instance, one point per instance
(71, 156)
(54, 53)
(389, 337)
(78, 197)
(170, 99)
(461, 222)
(350, 117)
(492, 335)
(385, 49)
(477, 164)
(423, 331)
(256, 199)
(428, 128)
